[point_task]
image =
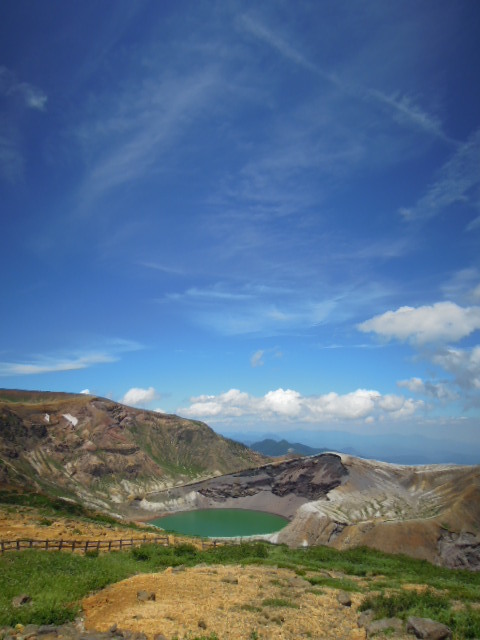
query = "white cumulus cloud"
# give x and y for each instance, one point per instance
(440, 322)
(282, 402)
(137, 396)
(288, 404)
(463, 364)
(438, 390)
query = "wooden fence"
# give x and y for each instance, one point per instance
(84, 546)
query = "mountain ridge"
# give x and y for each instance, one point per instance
(104, 453)
(270, 447)
(386, 447)
(139, 464)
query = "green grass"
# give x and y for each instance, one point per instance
(334, 583)
(465, 623)
(250, 608)
(57, 582)
(279, 602)
(402, 604)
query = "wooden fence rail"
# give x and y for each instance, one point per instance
(83, 546)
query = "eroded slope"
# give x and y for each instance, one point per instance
(104, 453)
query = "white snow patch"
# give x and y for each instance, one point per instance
(46, 417)
(72, 419)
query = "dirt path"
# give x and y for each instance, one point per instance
(232, 601)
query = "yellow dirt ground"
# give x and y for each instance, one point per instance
(208, 599)
(26, 523)
(197, 602)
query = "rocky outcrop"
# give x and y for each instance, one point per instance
(430, 512)
(428, 629)
(278, 488)
(459, 550)
(105, 454)
(309, 478)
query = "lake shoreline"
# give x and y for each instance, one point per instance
(221, 523)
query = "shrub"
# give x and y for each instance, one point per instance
(405, 603)
(185, 550)
(142, 553)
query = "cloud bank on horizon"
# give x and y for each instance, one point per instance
(275, 209)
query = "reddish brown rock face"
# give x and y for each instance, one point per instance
(99, 451)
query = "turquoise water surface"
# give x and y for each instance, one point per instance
(220, 523)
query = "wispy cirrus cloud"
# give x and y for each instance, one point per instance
(251, 309)
(31, 96)
(474, 224)
(257, 359)
(11, 158)
(56, 363)
(458, 181)
(27, 96)
(404, 110)
(135, 127)
(402, 107)
(53, 365)
(463, 286)
(163, 268)
(263, 33)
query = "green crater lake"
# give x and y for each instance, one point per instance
(221, 523)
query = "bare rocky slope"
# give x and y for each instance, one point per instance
(428, 512)
(105, 454)
(141, 464)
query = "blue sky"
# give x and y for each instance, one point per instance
(260, 215)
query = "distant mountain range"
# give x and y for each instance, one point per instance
(396, 448)
(276, 448)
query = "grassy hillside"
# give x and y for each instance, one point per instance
(58, 581)
(390, 585)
